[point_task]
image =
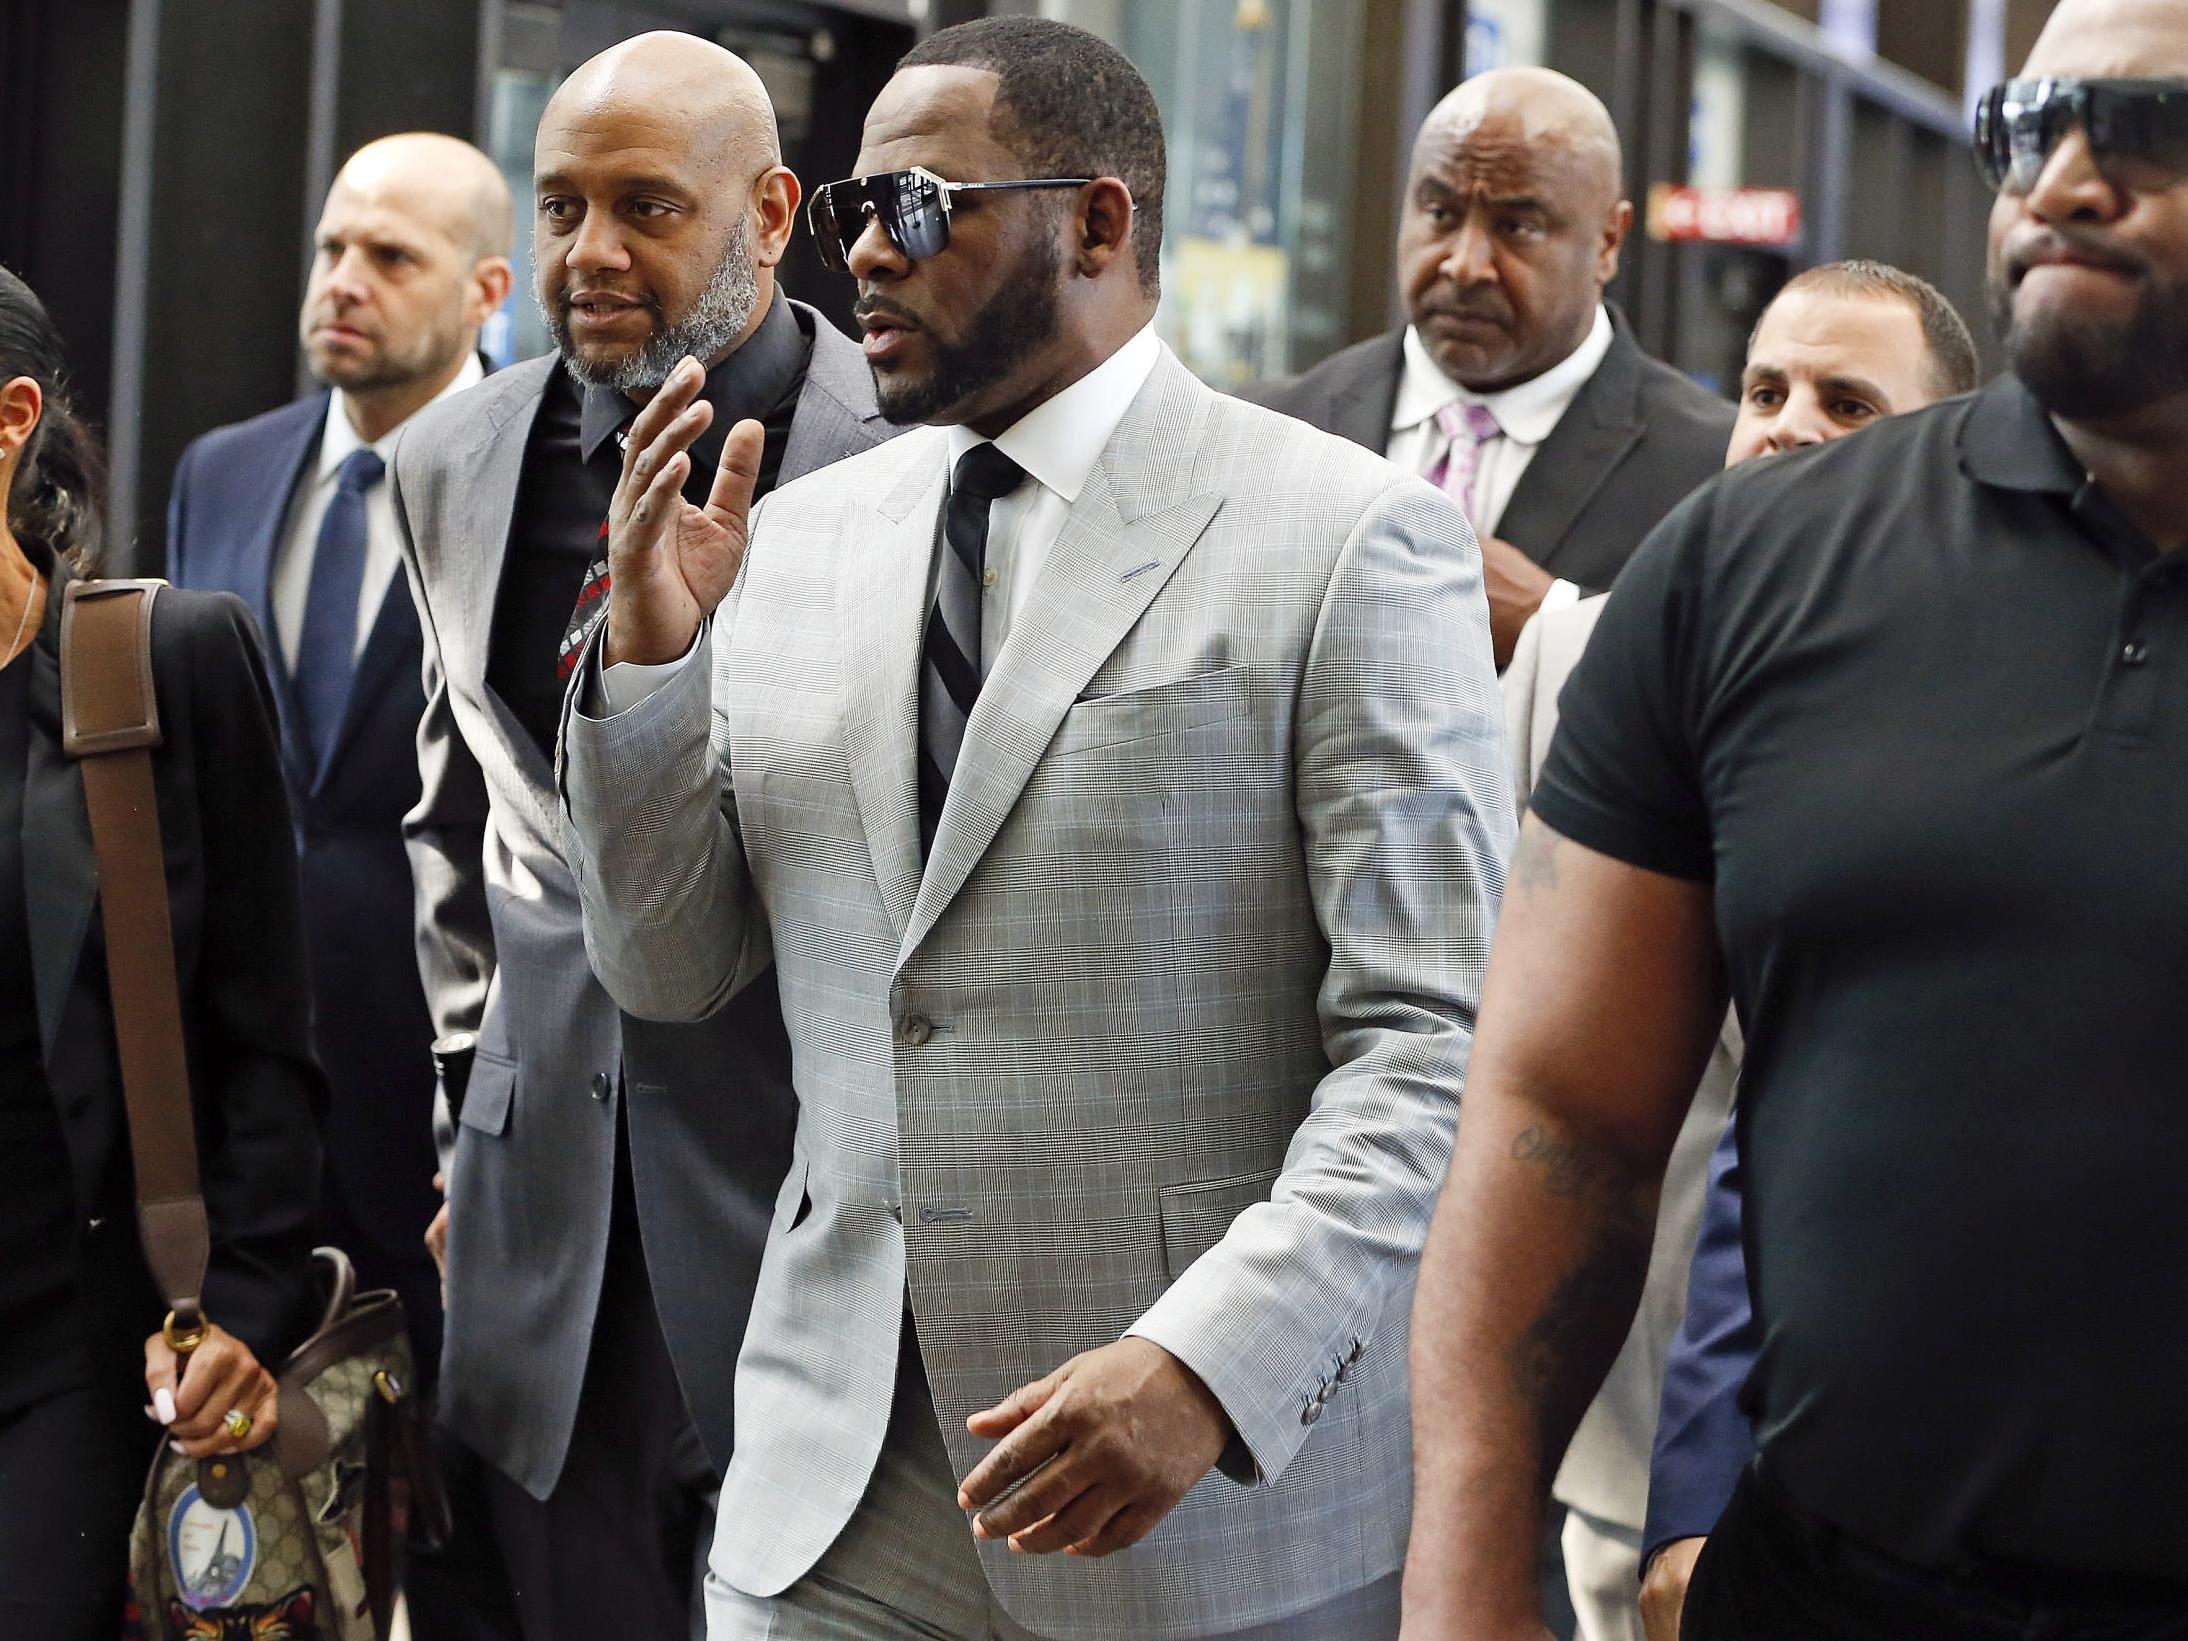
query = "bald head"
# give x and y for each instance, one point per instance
(410, 255)
(662, 209)
(1538, 107)
(439, 180)
(668, 81)
(2122, 39)
(1512, 225)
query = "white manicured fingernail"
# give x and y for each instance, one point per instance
(178, 1450)
(163, 1405)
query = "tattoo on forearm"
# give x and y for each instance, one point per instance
(1534, 862)
(1561, 1359)
(1569, 1170)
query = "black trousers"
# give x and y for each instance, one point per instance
(1771, 1573)
(72, 1471)
(618, 1549)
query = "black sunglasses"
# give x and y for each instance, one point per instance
(912, 206)
(2137, 130)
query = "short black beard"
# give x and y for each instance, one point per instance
(1017, 319)
(2084, 371)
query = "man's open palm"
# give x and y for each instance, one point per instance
(673, 563)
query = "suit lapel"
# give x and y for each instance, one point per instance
(836, 415)
(883, 597)
(489, 511)
(290, 462)
(1361, 409)
(1593, 436)
(1124, 538)
(60, 871)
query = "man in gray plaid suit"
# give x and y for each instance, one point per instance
(1114, 774)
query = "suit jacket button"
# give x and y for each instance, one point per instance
(1311, 1412)
(915, 1029)
(603, 1086)
(896, 1212)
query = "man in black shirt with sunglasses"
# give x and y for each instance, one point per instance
(1891, 738)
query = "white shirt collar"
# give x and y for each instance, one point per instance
(1526, 412)
(340, 438)
(1060, 439)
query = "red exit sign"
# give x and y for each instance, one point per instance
(1725, 216)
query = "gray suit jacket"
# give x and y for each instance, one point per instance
(709, 1108)
(1636, 441)
(1167, 1037)
(1606, 1470)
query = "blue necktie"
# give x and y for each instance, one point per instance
(326, 650)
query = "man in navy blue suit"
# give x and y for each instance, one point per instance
(290, 511)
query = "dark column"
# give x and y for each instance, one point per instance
(60, 169)
(1926, 37)
(392, 65)
(2025, 20)
(211, 219)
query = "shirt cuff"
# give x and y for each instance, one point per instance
(1563, 595)
(615, 690)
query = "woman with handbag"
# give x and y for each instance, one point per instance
(82, 1349)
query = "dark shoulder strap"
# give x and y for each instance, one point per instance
(110, 721)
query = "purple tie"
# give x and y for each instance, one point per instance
(1463, 431)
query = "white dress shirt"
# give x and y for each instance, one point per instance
(300, 543)
(1057, 442)
(1527, 413)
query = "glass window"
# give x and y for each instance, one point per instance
(1261, 103)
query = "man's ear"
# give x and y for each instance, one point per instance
(775, 195)
(490, 281)
(1615, 229)
(1104, 224)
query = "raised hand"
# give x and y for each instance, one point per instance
(671, 562)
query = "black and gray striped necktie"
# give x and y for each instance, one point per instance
(949, 676)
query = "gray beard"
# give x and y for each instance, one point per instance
(716, 319)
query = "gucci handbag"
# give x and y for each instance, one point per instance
(299, 1539)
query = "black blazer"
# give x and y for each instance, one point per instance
(232, 888)
(226, 516)
(1637, 439)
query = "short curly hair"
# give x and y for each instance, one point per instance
(1069, 104)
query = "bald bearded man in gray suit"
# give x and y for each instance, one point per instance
(612, 1177)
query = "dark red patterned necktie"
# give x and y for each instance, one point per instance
(592, 595)
(591, 609)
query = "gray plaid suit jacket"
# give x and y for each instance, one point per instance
(1169, 1034)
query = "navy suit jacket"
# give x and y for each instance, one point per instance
(226, 518)
(1704, 1438)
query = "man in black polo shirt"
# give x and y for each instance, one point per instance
(1892, 736)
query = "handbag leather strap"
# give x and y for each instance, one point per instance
(110, 721)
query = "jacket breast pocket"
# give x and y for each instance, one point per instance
(1196, 1214)
(489, 1094)
(1161, 709)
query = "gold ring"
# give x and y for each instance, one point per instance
(238, 1423)
(183, 1338)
